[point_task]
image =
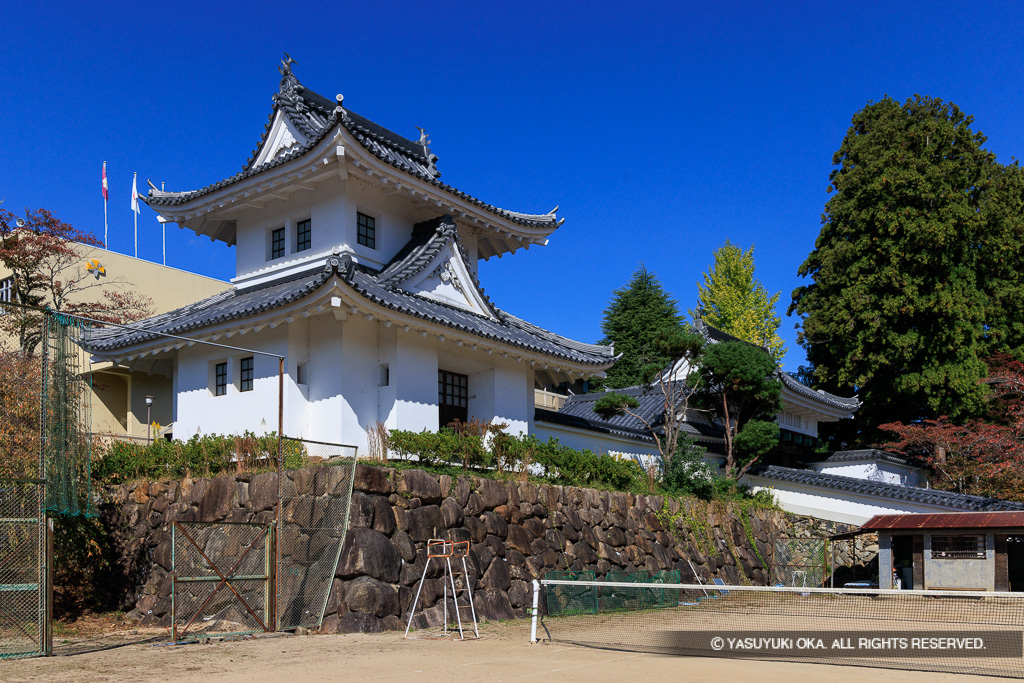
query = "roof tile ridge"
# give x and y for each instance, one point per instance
(556, 338)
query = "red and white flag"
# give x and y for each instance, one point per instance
(135, 195)
(104, 181)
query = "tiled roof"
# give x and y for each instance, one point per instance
(578, 411)
(715, 335)
(315, 116)
(866, 454)
(237, 304)
(849, 404)
(835, 482)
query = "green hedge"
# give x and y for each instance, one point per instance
(200, 456)
(505, 453)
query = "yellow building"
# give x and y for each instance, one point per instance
(119, 392)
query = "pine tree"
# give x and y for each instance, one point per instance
(637, 315)
(732, 300)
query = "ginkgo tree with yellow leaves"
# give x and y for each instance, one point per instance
(731, 299)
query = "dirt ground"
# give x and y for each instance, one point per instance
(503, 653)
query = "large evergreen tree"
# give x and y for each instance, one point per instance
(915, 274)
(636, 317)
(734, 301)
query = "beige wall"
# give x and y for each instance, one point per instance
(115, 388)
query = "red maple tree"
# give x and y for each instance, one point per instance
(47, 269)
(979, 457)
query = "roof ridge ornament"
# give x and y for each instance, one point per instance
(424, 142)
(289, 83)
(339, 110)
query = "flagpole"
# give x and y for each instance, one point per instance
(135, 210)
(164, 226)
(106, 244)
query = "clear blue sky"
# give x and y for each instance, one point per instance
(659, 129)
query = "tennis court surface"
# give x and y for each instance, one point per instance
(502, 654)
(950, 632)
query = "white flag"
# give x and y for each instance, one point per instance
(135, 194)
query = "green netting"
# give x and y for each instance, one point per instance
(567, 600)
(613, 599)
(65, 420)
(667, 576)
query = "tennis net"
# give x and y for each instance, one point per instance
(944, 631)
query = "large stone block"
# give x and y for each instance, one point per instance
(383, 517)
(492, 605)
(358, 622)
(218, 499)
(420, 484)
(370, 553)
(520, 594)
(519, 538)
(371, 479)
(497, 575)
(463, 487)
(263, 491)
(369, 595)
(426, 523)
(404, 544)
(451, 512)
(361, 510)
(477, 529)
(495, 524)
(492, 493)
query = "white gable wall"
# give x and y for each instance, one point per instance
(890, 473)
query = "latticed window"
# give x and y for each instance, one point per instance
(220, 382)
(277, 243)
(452, 397)
(958, 547)
(245, 374)
(366, 232)
(6, 293)
(303, 235)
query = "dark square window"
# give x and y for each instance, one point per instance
(245, 374)
(452, 397)
(367, 230)
(220, 384)
(277, 243)
(303, 235)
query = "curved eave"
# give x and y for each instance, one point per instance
(337, 296)
(213, 212)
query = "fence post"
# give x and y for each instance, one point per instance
(271, 573)
(536, 602)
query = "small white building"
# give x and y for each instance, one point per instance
(358, 266)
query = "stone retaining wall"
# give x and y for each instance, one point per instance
(518, 531)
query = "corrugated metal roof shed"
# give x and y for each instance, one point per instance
(947, 520)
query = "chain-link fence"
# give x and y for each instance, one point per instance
(312, 526)
(45, 392)
(220, 578)
(800, 562)
(22, 569)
